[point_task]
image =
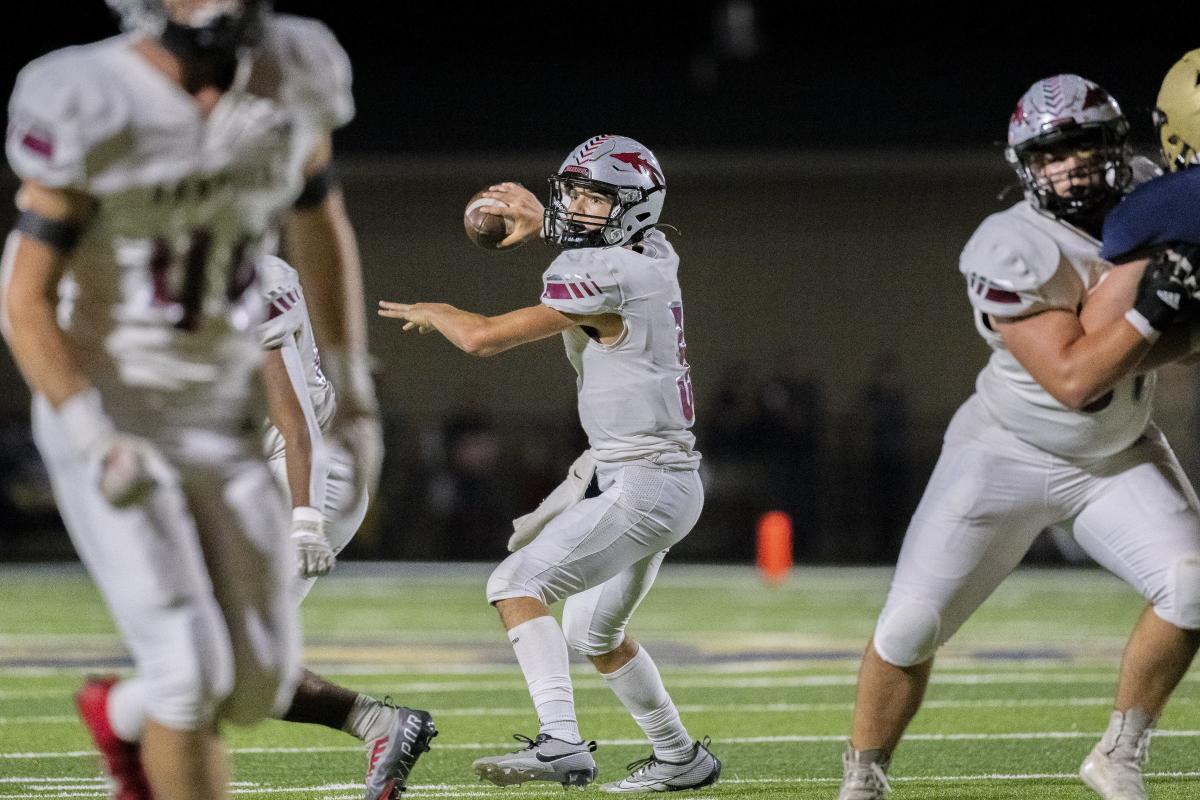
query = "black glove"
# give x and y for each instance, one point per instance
(1168, 286)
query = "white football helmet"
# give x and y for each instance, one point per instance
(620, 168)
(1061, 115)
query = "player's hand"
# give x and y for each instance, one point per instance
(125, 465)
(415, 315)
(1168, 285)
(126, 475)
(314, 555)
(521, 208)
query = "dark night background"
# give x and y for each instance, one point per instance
(826, 165)
(492, 77)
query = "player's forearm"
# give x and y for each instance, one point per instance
(470, 332)
(291, 412)
(1093, 364)
(30, 326)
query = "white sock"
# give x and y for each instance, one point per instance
(127, 709)
(542, 653)
(368, 719)
(640, 689)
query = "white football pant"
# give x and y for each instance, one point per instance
(197, 578)
(603, 553)
(991, 494)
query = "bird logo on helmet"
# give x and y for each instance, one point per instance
(1066, 114)
(1177, 113)
(621, 169)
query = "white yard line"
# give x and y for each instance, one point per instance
(703, 708)
(468, 790)
(792, 738)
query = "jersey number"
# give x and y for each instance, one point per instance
(187, 292)
(684, 381)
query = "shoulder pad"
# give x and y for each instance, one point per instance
(581, 281)
(1157, 214)
(316, 68)
(1006, 263)
(59, 108)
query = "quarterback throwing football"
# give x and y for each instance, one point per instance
(614, 295)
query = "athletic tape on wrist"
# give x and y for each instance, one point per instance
(1143, 326)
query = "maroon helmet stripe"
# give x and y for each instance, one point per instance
(1001, 296)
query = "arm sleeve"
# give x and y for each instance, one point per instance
(581, 282)
(45, 139)
(1011, 271)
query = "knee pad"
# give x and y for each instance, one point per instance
(1183, 601)
(188, 696)
(502, 584)
(576, 623)
(908, 634)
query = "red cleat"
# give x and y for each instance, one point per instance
(122, 759)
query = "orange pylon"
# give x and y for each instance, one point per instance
(774, 545)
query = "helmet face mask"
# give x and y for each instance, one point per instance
(1067, 143)
(621, 170)
(1177, 113)
(209, 44)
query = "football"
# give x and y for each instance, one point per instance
(485, 230)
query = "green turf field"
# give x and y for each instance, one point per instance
(1019, 697)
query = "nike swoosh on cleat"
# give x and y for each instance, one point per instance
(552, 759)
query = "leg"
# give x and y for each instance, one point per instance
(595, 622)
(1143, 526)
(149, 566)
(394, 736)
(887, 699)
(639, 512)
(185, 765)
(982, 509)
(1156, 658)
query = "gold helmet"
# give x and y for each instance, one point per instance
(1177, 115)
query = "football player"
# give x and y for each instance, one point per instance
(598, 540)
(154, 168)
(1058, 430)
(316, 471)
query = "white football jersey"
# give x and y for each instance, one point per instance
(1021, 261)
(155, 295)
(287, 317)
(635, 395)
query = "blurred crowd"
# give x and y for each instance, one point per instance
(451, 485)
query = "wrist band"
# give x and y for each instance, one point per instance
(1143, 326)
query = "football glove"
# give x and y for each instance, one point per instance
(314, 555)
(1168, 285)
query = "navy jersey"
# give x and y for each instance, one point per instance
(1159, 213)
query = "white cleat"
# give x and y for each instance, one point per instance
(1113, 769)
(655, 775)
(543, 759)
(864, 778)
